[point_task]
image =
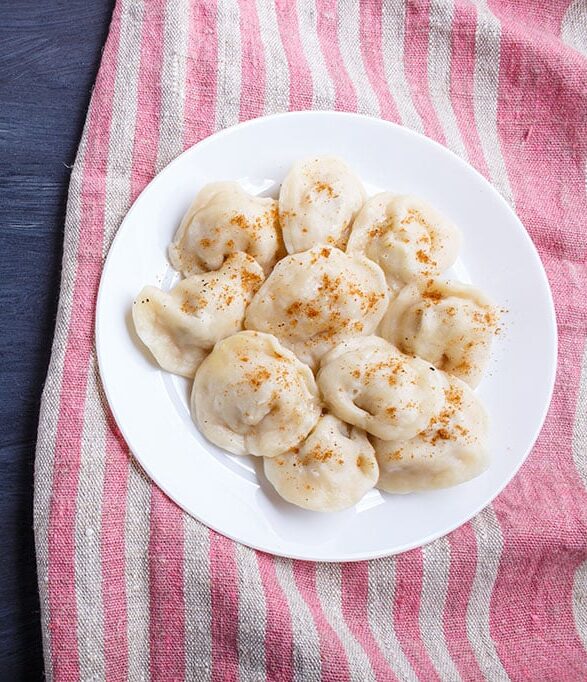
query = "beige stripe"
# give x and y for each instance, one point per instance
(435, 573)
(136, 551)
(88, 524)
(117, 202)
(485, 95)
(276, 68)
(349, 41)
(580, 428)
(392, 39)
(580, 602)
(196, 568)
(486, 525)
(329, 589)
(489, 549)
(436, 556)
(380, 600)
(323, 96)
(122, 129)
(198, 611)
(175, 47)
(229, 57)
(439, 64)
(574, 26)
(251, 616)
(580, 459)
(306, 643)
(49, 412)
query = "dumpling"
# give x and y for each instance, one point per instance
(369, 383)
(331, 470)
(408, 238)
(453, 448)
(449, 324)
(224, 219)
(252, 396)
(318, 201)
(177, 326)
(312, 300)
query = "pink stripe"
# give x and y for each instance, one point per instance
(372, 51)
(463, 544)
(61, 533)
(406, 608)
(224, 588)
(278, 629)
(532, 611)
(345, 95)
(224, 607)
(201, 73)
(166, 539)
(113, 554)
(332, 654)
(223, 569)
(463, 562)
(167, 607)
(117, 464)
(416, 66)
(546, 18)
(355, 595)
(300, 76)
(252, 102)
(462, 81)
(146, 139)
(537, 34)
(543, 129)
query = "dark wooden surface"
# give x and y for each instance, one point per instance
(49, 55)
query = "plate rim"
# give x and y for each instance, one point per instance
(101, 307)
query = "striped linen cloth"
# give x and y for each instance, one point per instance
(130, 586)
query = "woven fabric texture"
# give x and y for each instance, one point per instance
(131, 587)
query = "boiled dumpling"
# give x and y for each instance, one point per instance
(224, 219)
(369, 383)
(453, 448)
(408, 238)
(177, 326)
(318, 201)
(449, 324)
(313, 299)
(329, 471)
(253, 396)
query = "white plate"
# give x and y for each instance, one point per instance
(229, 493)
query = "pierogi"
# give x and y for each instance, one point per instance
(181, 325)
(319, 336)
(449, 324)
(224, 219)
(408, 238)
(318, 201)
(451, 450)
(312, 300)
(330, 470)
(252, 396)
(371, 384)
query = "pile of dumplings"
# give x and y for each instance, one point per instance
(320, 336)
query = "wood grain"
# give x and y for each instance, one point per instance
(49, 55)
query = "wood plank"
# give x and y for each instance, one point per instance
(49, 55)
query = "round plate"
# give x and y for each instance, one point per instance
(229, 493)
